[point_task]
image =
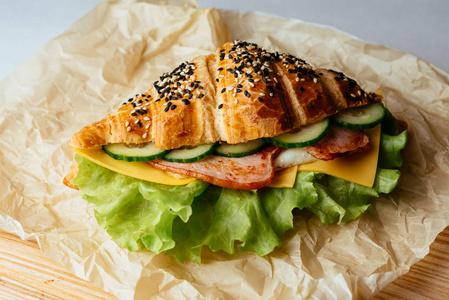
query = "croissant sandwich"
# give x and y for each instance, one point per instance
(220, 150)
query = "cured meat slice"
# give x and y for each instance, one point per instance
(244, 173)
(339, 142)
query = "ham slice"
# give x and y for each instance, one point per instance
(244, 173)
(339, 142)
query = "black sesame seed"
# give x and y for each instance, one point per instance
(139, 124)
(220, 106)
(247, 94)
(124, 103)
(239, 85)
(166, 108)
(173, 107)
(133, 114)
(301, 89)
(264, 79)
(185, 101)
(220, 69)
(238, 90)
(230, 56)
(201, 96)
(223, 90)
(310, 105)
(130, 99)
(190, 96)
(260, 99)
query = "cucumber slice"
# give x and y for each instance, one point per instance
(135, 152)
(306, 136)
(362, 117)
(188, 155)
(240, 150)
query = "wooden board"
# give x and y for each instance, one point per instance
(26, 274)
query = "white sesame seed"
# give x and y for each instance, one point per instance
(198, 92)
(145, 135)
(136, 121)
(297, 79)
(230, 87)
(315, 80)
(303, 79)
(353, 96)
(256, 80)
(128, 128)
(146, 118)
(262, 94)
(251, 84)
(275, 79)
(236, 101)
(359, 93)
(127, 124)
(147, 126)
(271, 94)
(222, 75)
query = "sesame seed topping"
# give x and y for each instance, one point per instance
(147, 126)
(315, 80)
(128, 128)
(145, 135)
(236, 101)
(127, 124)
(260, 99)
(201, 96)
(247, 94)
(220, 106)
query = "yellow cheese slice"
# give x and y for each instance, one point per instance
(284, 178)
(139, 170)
(358, 168)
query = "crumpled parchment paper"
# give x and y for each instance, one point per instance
(118, 50)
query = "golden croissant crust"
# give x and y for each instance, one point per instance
(240, 93)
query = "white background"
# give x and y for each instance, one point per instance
(417, 26)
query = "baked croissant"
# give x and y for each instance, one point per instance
(240, 93)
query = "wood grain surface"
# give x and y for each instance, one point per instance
(26, 274)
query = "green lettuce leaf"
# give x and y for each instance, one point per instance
(181, 220)
(389, 151)
(135, 213)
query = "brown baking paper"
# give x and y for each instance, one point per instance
(118, 50)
